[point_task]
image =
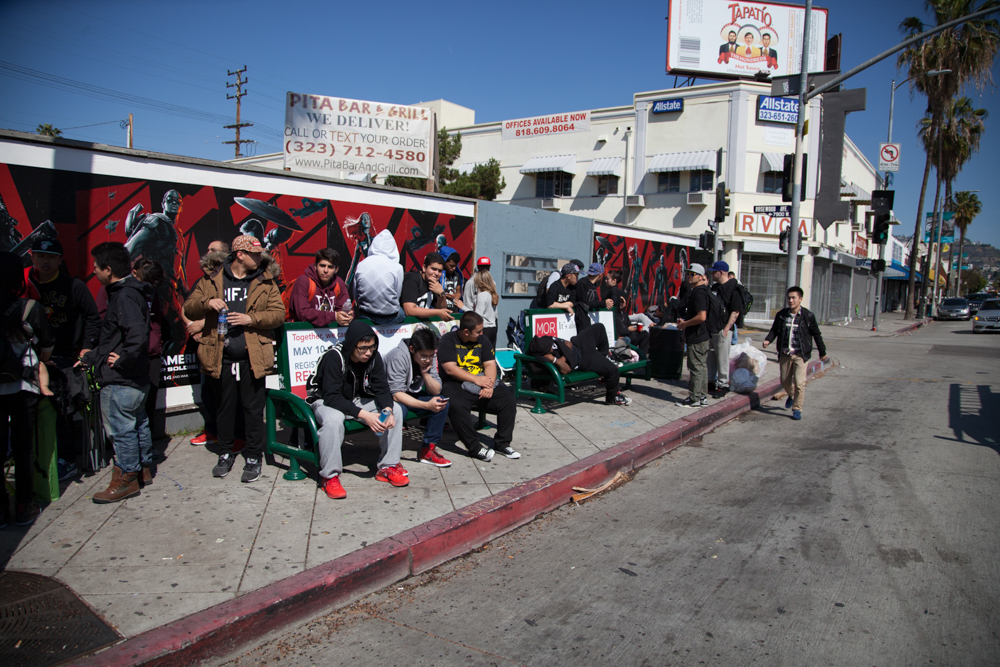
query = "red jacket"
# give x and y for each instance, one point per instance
(322, 308)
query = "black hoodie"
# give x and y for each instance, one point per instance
(71, 310)
(235, 292)
(124, 331)
(338, 380)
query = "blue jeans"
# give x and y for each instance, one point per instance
(387, 320)
(435, 422)
(736, 338)
(126, 423)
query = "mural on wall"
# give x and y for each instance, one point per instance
(173, 223)
(652, 271)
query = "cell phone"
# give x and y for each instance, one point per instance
(444, 398)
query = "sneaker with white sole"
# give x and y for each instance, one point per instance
(251, 470)
(620, 399)
(690, 402)
(484, 453)
(225, 464)
(66, 469)
(508, 451)
(429, 456)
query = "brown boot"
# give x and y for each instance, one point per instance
(147, 476)
(125, 486)
(116, 473)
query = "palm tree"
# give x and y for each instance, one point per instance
(968, 51)
(48, 130)
(966, 206)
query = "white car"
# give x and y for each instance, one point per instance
(987, 318)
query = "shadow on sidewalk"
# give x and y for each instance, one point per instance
(969, 410)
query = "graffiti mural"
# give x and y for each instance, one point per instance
(652, 271)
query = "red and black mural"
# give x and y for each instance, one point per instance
(652, 271)
(174, 223)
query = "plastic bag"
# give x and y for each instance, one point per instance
(746, 356)
(742, 381)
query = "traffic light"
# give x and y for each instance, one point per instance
(706, 241)
(882, 208)
(721, 202)
(880, 231)
(878, 266)
(786, 177)
(783, 241)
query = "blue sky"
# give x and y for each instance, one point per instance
(505, 60)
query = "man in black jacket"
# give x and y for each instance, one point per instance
(795, 328)
(351, 382)
(121, 362)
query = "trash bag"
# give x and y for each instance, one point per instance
(743, 381)
(745, 355)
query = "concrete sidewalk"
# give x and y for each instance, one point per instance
(191, 541)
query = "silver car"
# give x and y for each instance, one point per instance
(988, 317)
(954, 309)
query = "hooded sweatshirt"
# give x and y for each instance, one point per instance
(453, 283)
(124, 331)
(338, 380)
(235, 292)
(404, 374)
(72, 313)
(379, 278)
(326, 302)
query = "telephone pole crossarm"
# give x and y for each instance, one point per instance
(238, 97)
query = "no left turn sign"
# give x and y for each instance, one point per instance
(888, 157)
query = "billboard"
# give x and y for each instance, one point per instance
(334, 136)
(720, 39)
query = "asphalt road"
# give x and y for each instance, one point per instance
(865, 534)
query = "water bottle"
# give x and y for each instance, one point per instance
(223, 327)
(385, 414)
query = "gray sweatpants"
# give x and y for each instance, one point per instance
(718, 360)
(331, 436)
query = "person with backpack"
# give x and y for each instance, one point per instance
(728, 292)
(746, 298)
(694, 324)
(121, 364)
(240, 354)
(587, 351)
(350, 382)
(319, 296)
(26, 343)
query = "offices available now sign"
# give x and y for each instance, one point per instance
(540, 126)
(329, 135)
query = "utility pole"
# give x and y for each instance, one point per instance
(239, 94)
(791, 277)
(128, 136)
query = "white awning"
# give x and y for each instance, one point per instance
(564, 163)
(772, 162)
(605, 166)
(853, 191)
(683, 161)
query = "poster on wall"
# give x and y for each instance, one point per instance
(731, 40)
(334, 136)
(652, 271)
(173, 223)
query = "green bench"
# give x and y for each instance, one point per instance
(549, 372)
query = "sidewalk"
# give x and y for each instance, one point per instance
(191, 541)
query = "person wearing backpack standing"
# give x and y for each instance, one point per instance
(718, 358)
(319, 296)
(121, 364)
(25, 344)
(694, 324)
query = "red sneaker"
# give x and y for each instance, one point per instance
(333, 488)
(238, 444)
(204, 438)
(395, 475)
(431, 457)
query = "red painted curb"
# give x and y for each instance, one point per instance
(913, 327)
(224, 628)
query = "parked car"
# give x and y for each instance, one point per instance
(976, 300)
(954, 309)
(988, 317)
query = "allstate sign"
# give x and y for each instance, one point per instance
(777, 109)
(665, 106)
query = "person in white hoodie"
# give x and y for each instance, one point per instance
(378, 282)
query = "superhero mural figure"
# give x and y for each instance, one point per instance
(362, 231)
(154, 236)
(9, 236)
(635, 282)
(282, 232)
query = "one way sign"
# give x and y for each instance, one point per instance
(888, 157)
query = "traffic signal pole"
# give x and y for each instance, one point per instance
(793, 231)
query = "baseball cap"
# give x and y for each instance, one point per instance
(696, 269)
(569, 268)
(483, 261)
(51, 246)
(595, 269)
(720, 266)
(247, 243)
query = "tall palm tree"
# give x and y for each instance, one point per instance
(47, 130)
(968, 51)
(966, 206)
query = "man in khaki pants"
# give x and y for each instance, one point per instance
(795, 328)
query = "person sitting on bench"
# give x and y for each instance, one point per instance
(587, 351)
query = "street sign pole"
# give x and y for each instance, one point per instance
(793, 231)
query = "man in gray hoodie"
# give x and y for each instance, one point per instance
(378, 282)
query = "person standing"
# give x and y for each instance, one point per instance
(487, 300)
(121, 364)
(319, 296)
(795, 328)
(239, 359)
(694, 324)
(732, 303)
(469, 292)
(24, 326)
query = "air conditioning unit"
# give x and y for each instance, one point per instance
(634, 201)
(697, 199)
(550, 204)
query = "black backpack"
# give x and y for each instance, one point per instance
(716, 319)
(12, 368)
(747, 299)
(542, 293)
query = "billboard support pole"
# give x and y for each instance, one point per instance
(793, 230)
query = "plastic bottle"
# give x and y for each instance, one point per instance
(385, 414)
(223, 327)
